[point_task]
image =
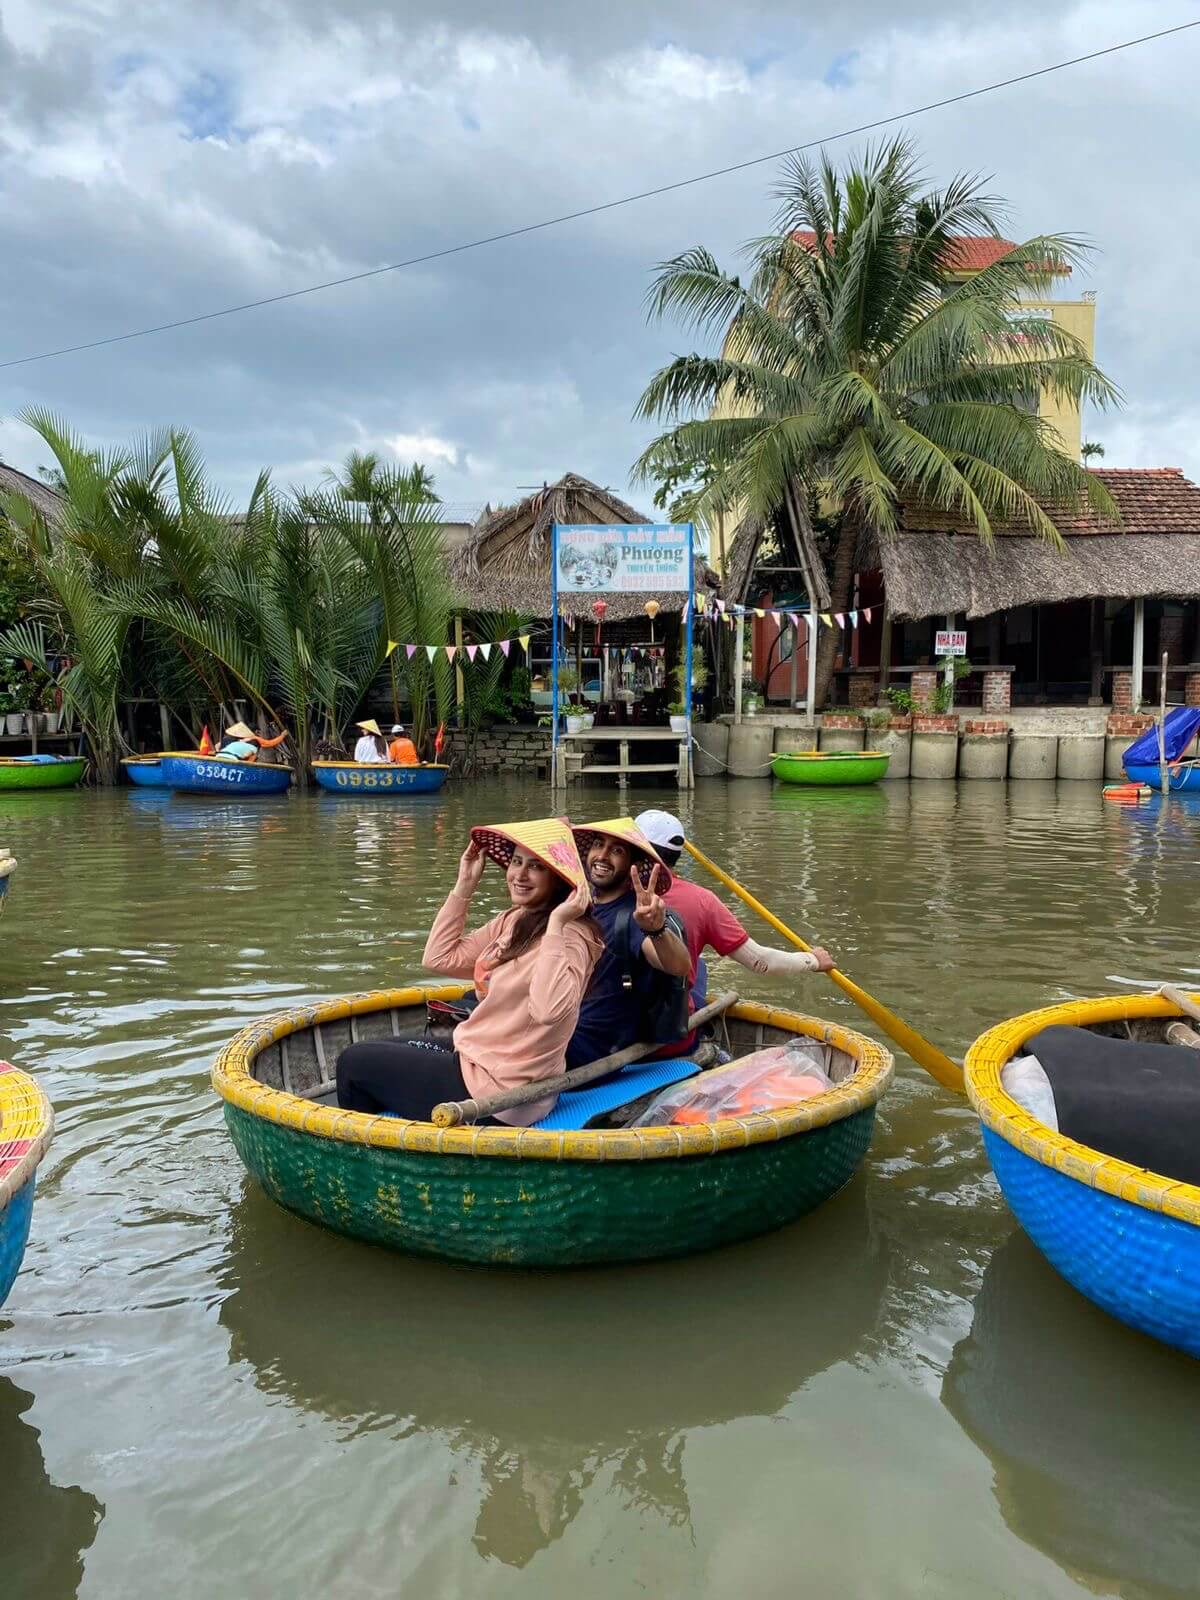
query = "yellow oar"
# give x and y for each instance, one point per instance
(948, 1073)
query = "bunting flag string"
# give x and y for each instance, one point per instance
(451, 650)
(726, 611)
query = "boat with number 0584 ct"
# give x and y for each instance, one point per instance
(194, 774)
(378, 778)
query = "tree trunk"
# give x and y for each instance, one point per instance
(841, 582)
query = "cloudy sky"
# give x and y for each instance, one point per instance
(160, 159)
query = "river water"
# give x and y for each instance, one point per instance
(201, 1395)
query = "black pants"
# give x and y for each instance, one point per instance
(408, 1079)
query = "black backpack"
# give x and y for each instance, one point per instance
(661, 1001)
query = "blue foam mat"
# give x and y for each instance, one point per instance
(577, 1107)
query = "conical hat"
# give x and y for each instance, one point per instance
(627, 831)
(239, 730)
(370, 726)
(550, 840)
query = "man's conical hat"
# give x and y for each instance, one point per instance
(239, 730)
(646, 857)
(550, 840)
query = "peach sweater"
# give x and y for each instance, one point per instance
(520, 1029)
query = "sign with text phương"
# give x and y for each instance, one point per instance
(947, 642)
(622, 559)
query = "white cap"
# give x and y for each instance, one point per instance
(664, 831)
(396, 728)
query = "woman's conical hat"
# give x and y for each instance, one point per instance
(370, 726)
(239, 730)
(550, 840)
(646, 857)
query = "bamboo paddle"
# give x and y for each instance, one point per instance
(451, 1112)
(947, 1072)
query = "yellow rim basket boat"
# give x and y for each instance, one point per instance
(528, 1196)
(26, 1128)
(1127, 1238)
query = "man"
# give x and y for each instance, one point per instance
(402, 752)
(708, 922)
(625, 875)
(239, 742)
(371, 747)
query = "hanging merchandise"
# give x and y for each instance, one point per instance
(599, 611)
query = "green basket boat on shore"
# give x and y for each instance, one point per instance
(533, 1197)
(830, 767)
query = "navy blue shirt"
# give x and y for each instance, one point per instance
(608, 1017)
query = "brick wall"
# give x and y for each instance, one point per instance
(997, 692)
(863, 689)
(930, 724)
(1122, 691)
(1191, 689)
(840, 719)
(1123, 724)
(985, 725)
(520, 749)
(924, 687)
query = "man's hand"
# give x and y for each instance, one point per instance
(470, 870)
(825, 962)
(650, 913)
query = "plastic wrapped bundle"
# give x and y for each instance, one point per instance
(764, 1081)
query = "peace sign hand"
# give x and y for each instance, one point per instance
(650, 913)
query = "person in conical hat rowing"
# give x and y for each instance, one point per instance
(708, 922)
(244, 744)
(531, 966)
(372, 746)
(627, 1003)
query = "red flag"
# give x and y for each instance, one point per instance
(206, 744)
(440, 740)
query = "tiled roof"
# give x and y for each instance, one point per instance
(1149, 499)
(966, 254)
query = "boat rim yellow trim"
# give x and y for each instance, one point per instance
(25, 1113)
(1000, 1112)
(831, 755)
(233, 1081)
(390, 766)
(152, 756)
(28, 761)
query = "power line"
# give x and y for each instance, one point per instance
(597, 210)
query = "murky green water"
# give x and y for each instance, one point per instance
(201, 1395)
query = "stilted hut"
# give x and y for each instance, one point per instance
(505, 566)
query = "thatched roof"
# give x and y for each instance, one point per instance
(41, 496)
(505, 564)
(743, 557)
(934, 567)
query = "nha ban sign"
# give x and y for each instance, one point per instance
(947, 642)
(622, 558)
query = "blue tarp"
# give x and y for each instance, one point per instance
(1179, 730)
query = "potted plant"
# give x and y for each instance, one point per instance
(47, 704)
(10, 717)
(679, 711)
(568, 682)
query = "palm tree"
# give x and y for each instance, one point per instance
(856, 370)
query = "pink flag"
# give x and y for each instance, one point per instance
(451, 651)
(411, 650)
(867, 613)
(775, 617)
(720, 604)
(471, 649)
(504, 645)
(840, 618)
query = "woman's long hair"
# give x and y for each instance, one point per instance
(530, 924)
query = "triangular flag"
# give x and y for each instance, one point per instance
(854, 619)
(206, 744)
(451, 651)
(411, 649)
(431, 650)
(523, 641)
(867, 613)
(827, 619)
(720, 604)
(505, 645)
(759, 612)
(686, 607)
(471, 649)
(392, 645)
(840, 618)
(486, 650)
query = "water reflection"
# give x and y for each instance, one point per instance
(1090, 1428)
(56, 1525)
(549, 1381)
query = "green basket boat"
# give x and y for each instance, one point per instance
(526, 1196)
(826, 767)
(41, 772)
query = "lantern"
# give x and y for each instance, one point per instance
(652, 609)
(599, 610)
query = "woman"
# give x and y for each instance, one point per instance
(531, 966)
(371, 748)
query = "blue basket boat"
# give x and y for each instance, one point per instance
(146, 772)
(1180, 728)
(7, 867)
(192, 774)
(26, 1127)
(1127, 1238)
(370, 778)
(1182, 776)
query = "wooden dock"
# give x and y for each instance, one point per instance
(577, 755)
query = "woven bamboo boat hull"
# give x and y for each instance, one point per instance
(62, 773)
(813, 767)
(26, 1126)
(221, 775)
(1127, 1238)
(366, 778)
(528, 1197)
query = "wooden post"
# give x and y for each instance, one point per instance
(460, 693)
(950, 666)
(885, 653)
(1163, 783)
(1139, 649)
(1097, 654)
(794, 687)
(164, 725)
(739, 651)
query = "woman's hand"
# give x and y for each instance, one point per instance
(470, 870)
(825, 962)
(576, 905)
